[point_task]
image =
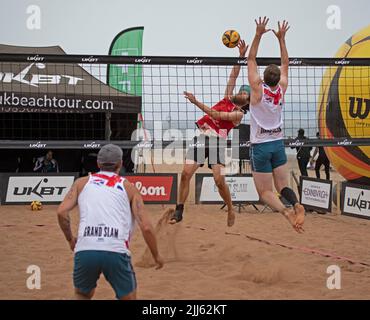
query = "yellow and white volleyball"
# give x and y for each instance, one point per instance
(36, 205)
(231, 38)
(344, 107)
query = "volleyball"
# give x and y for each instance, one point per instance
(36, 205)
(343, 109)
(230, 38)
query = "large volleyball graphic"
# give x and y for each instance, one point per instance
(344, 107)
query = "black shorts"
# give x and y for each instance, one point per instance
(203, 147)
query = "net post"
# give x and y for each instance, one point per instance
(108, 130)
(339, 187)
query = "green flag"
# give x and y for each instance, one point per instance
(126, 78)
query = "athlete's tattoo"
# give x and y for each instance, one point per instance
(71, 192)
(65, 225)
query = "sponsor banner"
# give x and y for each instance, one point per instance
(156, 188)
(127, 78)
(23, 102)
(156, 144)
(356, 200)
(316, 194)
(165, 60)
(242, 189)
(25, 188)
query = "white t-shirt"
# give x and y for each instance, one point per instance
(106, 221)
(266, 116)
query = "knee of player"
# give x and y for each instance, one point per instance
(220, 182)
(185, 176)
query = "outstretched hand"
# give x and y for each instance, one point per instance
(261, 26)
(159, 262)
(243, 48)
(190, 97)
(282, 30)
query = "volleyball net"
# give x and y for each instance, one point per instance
(64, 101)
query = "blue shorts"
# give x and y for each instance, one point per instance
(267, 156)
(116, 267)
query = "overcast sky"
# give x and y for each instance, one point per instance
(188, 27)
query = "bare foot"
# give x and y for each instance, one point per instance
(299, 211)
(292, 218)
(230, 218)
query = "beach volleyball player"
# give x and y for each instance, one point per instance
(109, 206)
(214, 128)
(267, 151)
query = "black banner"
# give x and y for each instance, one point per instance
(159, 144)
(20, 102)
(187, 309)
(171, 60)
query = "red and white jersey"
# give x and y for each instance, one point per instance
(220, 128)
(266, 116)
(106, 221)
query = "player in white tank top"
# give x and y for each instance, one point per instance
(106, 221)
(268, 157)
(266, 116)
(109, 206)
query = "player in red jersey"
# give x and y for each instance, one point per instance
(214, 127)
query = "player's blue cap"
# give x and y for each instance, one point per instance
(245, 88)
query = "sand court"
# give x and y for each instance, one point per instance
(261, 257)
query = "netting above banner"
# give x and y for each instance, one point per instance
(63, 99)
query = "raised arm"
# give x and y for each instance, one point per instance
(137, 208)
(253, 76)
(234, 116)
(280, 34)
(235, 70)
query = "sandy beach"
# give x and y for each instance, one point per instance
(260, 257)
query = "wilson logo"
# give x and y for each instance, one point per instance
(359, 107)
(150, 190)
(156, 188)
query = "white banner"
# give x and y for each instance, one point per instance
(38, 188)
(356, 201)
(242, 189)
(316, 194)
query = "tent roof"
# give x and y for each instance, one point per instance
(59, 79)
